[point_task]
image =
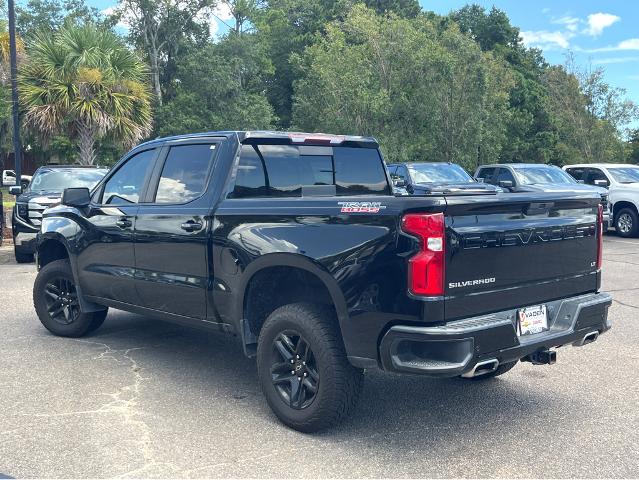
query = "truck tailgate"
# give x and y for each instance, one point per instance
(517, 250)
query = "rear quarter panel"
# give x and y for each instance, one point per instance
(361, 257)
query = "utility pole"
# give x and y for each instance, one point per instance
(17, 147)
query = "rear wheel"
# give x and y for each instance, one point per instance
(626, 222)
(22, 257)
(55, 298)
(501, 369)
(303, 370)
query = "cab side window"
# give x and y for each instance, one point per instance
(126, 184)
(577, 173)
(596, 174)
(487, 174)
(185, 173)
(504, 175)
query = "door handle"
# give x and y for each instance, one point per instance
(191, 226)
(123, 223)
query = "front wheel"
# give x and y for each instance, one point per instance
(626, 222)
(303, 370)
(55, 298)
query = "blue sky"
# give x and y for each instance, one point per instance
(599, 33)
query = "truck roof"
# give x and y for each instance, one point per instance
(517, 165)
(600, 165)
(247, 136)
(61, 166)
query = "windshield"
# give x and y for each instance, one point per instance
(625, 174)
(542, 176)
(59, 179)
(439, 173)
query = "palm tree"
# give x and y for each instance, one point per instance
(85, 81)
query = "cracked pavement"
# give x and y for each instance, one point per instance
(141, 398)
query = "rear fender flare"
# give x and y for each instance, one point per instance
(295, 261)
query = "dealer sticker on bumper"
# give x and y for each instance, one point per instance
(532, 320)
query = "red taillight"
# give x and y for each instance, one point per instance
(426, 269)
(599, 236)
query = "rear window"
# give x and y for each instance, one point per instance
(282, 170)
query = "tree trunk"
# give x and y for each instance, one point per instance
(155, 75)
(86, 142)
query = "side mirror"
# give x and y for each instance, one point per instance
(506, 184)
(399, 182)
(17, 190)
(76, 197)
(601, 183)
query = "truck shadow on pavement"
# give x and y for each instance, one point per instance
(179, 361)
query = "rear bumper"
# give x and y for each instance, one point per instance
(454, 348)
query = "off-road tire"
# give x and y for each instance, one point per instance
(339, 384)
(80, 323)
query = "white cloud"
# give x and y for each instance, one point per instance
(630, 44)
(624, 45)
(547, 40)
(571, 23)
(608, 61)
(597, 22)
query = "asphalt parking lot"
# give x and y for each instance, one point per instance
(142, 398)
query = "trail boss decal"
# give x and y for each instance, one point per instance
(361, 207)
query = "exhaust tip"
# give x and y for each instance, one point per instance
(591, 337)
(588, 338)
(482, 368)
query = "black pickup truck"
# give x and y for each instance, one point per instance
(295, 244)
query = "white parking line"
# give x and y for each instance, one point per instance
(622, 241)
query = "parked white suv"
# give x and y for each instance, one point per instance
(9, 179)
(622, 181)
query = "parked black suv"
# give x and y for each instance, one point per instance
(294, 244)
(45, 190)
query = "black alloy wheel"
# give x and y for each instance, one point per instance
(62, 301)
(58, 304)
(294, 372)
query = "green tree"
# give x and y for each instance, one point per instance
(633, 146)
(531, 135)
(428, 94)
(220, 86)
(287, 27)
(589, 115)
(49, 15)
(490, 30)
(84, 81)
(159, 26)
